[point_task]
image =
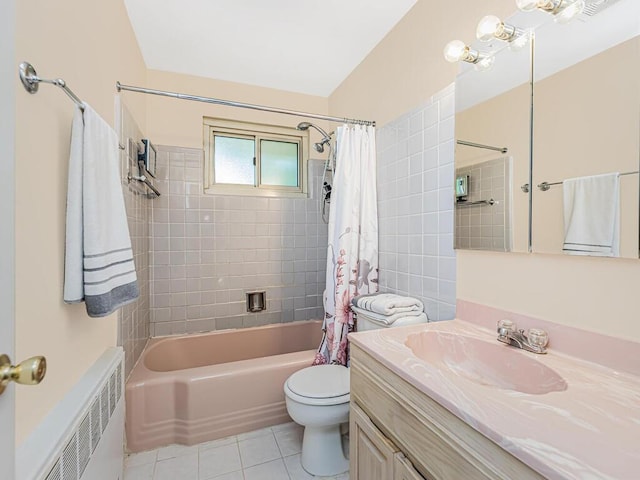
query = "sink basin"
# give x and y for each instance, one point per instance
(485, 363)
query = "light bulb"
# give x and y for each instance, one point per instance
(527, 5)
(454, 51)
(570, 12)
(488, 27)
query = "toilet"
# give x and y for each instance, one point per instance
(318, 399)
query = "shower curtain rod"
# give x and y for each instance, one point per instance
(217, 101)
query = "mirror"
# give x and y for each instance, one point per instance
(493, 112)
(587, 122)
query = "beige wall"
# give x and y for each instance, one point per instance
(407, 67)
(587, 123)
(90, 45)
(399, 74)
(179, 122)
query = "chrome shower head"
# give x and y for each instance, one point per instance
(318, 147)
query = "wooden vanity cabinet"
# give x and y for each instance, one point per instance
(397, 432)
(372, 455)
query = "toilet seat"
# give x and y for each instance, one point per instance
(320, 385)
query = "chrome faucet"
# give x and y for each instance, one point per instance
(535, 340)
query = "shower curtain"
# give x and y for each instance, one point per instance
(352, 256)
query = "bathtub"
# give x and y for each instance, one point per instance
(196, 388)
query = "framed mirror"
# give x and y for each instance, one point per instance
(492, 155)
(586, 131)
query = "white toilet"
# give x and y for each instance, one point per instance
(318, 399)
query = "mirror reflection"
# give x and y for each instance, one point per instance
(493, 111)
(586, 135)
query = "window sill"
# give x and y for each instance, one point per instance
(252, 192)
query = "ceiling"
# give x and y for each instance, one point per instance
(305, 46)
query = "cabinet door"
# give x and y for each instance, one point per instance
(403, 469)
(371, 454)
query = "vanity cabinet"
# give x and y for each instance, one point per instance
(398, 432)
(372, 455)
(403, 470)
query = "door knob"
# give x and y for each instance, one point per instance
(29, 372)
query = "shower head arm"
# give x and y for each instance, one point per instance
(306, 125)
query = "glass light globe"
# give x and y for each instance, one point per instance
(454, 51)
(527, 5)
(487, 28)
(570, 12)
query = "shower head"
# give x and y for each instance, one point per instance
(318, 147)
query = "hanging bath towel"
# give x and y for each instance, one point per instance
(592, 215)
(99, 268)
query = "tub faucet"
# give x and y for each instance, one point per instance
(535, 340)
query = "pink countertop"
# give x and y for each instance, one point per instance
(591, 430)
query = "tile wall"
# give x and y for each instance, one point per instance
(209, 250)
(486, 227)
(133, 319)
(415, 205)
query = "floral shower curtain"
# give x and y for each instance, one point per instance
(352, 257)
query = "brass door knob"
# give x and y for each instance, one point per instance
(29, 372)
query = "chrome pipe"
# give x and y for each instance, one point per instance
(230, 103)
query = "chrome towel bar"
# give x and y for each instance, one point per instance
(491, 201)
(30, 80)
(480, 145)
(544, 186)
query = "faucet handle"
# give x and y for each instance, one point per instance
(506, 326)
(538, 337)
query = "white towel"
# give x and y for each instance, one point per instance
(389, 319)
(388, 303)
(99, 266)
(592, 215)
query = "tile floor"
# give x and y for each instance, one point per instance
(267, 454)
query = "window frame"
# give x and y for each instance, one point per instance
(258, 132)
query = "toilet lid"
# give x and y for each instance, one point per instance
(322, 381)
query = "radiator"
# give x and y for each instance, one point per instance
(82, 437)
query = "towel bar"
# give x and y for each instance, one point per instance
(491, 201)
(30, 80)
(145, 180)
(544, 186)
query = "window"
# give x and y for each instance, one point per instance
(252, 159)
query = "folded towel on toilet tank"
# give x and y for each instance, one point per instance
(390, 319)
(388, 304)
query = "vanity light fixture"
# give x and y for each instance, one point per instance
(564, 10)
(456, 50)
(491, 27)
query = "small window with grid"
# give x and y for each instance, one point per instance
(252, 159)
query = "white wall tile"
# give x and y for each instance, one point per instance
(213, 245)
(415, 201)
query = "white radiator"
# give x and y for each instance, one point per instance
(82, 438)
